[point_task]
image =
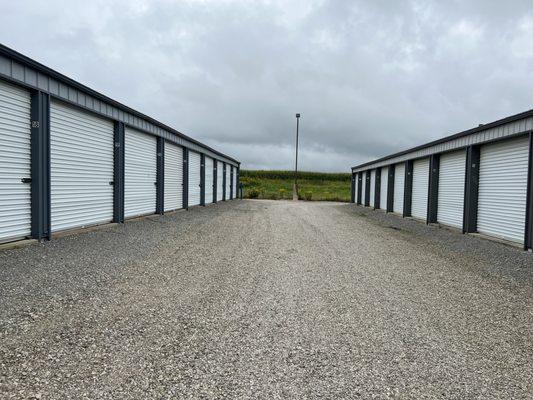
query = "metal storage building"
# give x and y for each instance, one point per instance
(71, 157)
(479, 180)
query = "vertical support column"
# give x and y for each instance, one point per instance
(471, 189)
(408, 189)
(367, 188)
(160, 192)
(40, 166)
(224, 183)
(377, 189)
(359, 187)
(352, 188)
(186, 178)
(118, 183)
(390, 188)
(215, 180)
(528, 241)
(433, 195)
(202, 179)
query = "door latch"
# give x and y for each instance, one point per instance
(111, 183)
(26, 180)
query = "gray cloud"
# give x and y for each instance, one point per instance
(369, 77)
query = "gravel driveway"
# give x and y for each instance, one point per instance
(270, 300)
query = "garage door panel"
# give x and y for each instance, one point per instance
(220, 181)
(208, 180)
(363, 189)
(450, 207)
(228, 182)
(140, 173)
(420, 190)
(15, 163)
(81, 168)
(384, 183)
(372, 187)
(503, 189)
(173, 177)
(399, 182)
(194, 178)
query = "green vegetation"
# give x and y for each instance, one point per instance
(313, 186)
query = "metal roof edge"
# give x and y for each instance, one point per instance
(21, 58)
(479, 128)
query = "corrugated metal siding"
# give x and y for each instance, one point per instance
(31, 77)
(419, 205)
(452, 172)
(173, 177)
(383, 188)
(399, 183)
(194, 179)
(491, 134)
(208, 180)
(356, 183)
(220, 180)
(81, 168)
(503, 189)
(140, 171)
(372, 187)
(15, 163)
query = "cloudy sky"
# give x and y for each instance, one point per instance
(368, 77)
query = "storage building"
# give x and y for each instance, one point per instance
(479, 181)
(71, 157)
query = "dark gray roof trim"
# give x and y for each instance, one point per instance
(500, 129)
(18, 68)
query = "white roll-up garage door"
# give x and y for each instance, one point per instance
(228, 181)
(81, 168)
(419, 205)
(399, 183)
(235, 188)
(355, 184)
(384, 183)
(15, 163)
(140, 173)
(208, 180)
(363, 189)
(220, 180)
(173, 177)
(503, 170)
(372, 187)
(194, 178)
(450, 206)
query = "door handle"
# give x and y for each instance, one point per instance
(111, 183)
(26, 180)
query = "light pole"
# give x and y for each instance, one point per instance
(295, 191)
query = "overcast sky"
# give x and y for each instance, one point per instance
(368, 77)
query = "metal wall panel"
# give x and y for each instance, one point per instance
(81, 168)
(503, 189)
(372, 187)
(194, 179)
(399, 185)
(173, 177)
(208, 180)
(228, 182)
(450, 205)
(419, 205)
(15, 163)
(220, 181)
(140, 173)
(85, 97)
(384, 183)
(363, 188)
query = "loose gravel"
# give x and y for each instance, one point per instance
(267, 300)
